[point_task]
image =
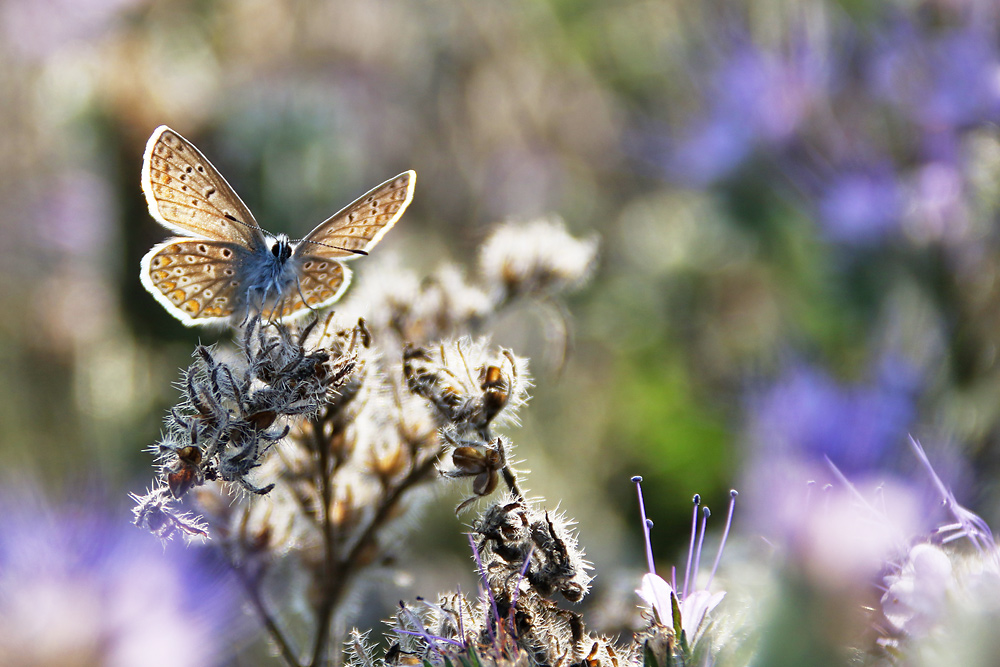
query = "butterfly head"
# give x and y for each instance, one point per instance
(281, 248)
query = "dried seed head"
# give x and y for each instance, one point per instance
(517, 537)
(538, 257)
(468, 385)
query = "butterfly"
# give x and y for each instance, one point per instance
(224, 266)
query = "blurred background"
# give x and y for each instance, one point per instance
(796, 202)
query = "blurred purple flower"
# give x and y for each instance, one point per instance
(77, 217)
(37, 28)
(844, 532)
(78, 586)
(807, 414)
(951, 80)
(936, 209)
(860, 207)
(755, 98)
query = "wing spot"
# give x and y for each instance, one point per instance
(202, 248)
(177, 296)
(233, 284)
(208, 294)
(323, 266)
(191, 306)
(194, 202)
(227, 253)
(189, 169)
(190, 259)
(308, 265)
(184, 280)
(220, 300)
(227, 272)
(167, 286)
(158, 261)
(209, 192)
(209, 268)
(201, 169)
(312, 300)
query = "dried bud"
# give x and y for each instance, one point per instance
(184, 471)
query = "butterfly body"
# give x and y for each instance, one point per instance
(225, 267)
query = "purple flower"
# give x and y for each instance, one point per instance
(693, 603)
(861, 206)
(938, 81)
(79, 586)
(755, 98)
(808, 414)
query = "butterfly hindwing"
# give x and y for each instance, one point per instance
(186, 194)
(362, 224)
(196, 280)
(321, 282)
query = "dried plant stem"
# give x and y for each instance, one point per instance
(257, 602)
(511, 480)
(340, 572)
(332, 585)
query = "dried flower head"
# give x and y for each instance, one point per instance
(538, 257)
(518, 540)
(468, 385)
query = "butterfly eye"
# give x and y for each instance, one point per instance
(281, 250)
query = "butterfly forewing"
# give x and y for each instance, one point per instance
(188, 195)
(195, 279)
(362, 224)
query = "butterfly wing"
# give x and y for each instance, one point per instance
(196, 280)
(320, 283)
(359, 226)
(187, 195)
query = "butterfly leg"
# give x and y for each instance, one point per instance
(298, 286)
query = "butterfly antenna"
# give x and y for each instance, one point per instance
(229, 216)
(335, 247)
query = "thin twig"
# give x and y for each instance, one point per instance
(257, 602)
(331, 588)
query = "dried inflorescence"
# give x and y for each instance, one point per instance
(467, 384)
(526, 554)
(552, 262)
(343, 422)
(517, 539)
(470, 387)
(232, 412)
